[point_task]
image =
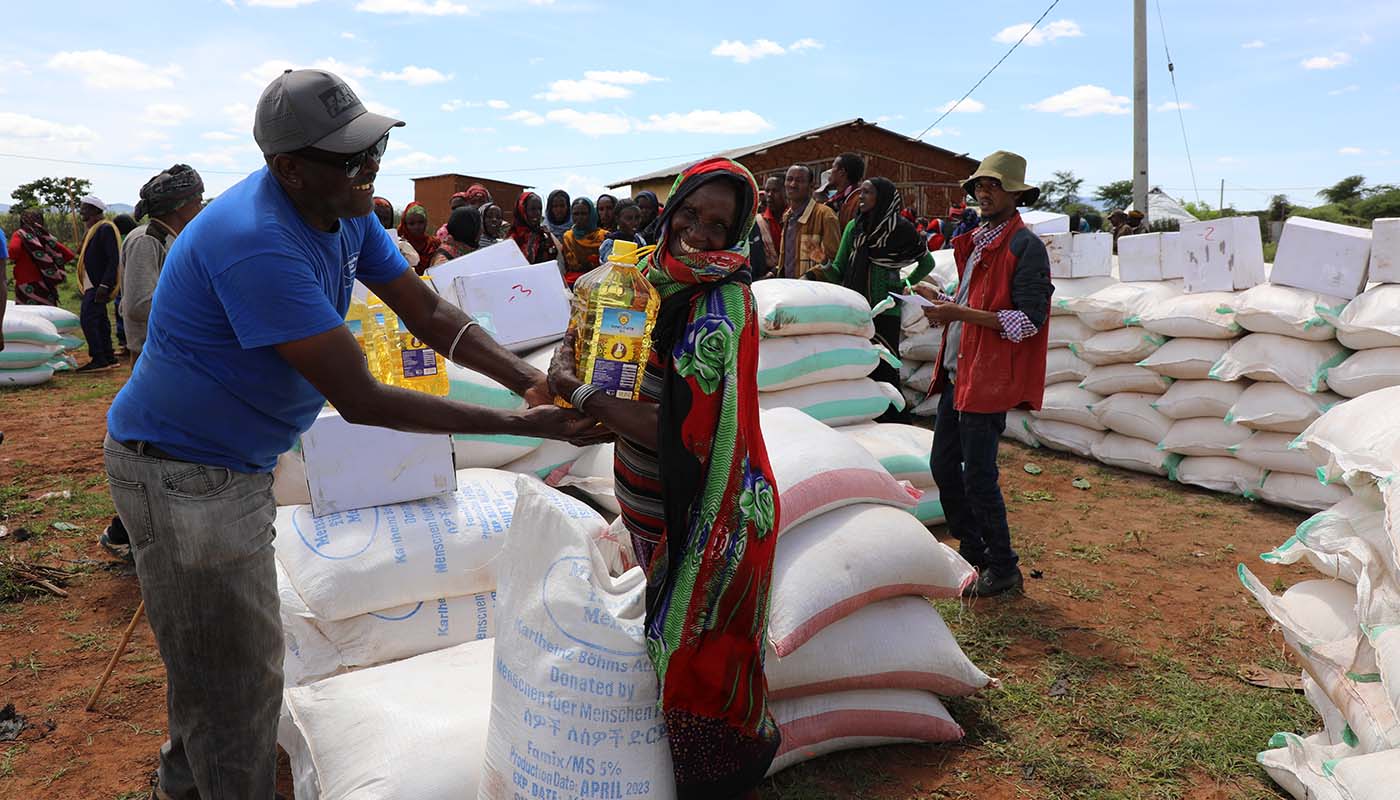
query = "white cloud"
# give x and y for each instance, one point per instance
(380, 108)
(581, 186)
(1327, 62)
(454, 105)
(417, 160)
(1084, 101)
(1059, 29)
(589, 123)
(166, 114)
(280, 3)
(1227, 160)
(1174, 106)
(342, 69)
(348, 35)
(630, 77)
(103, 70)
(968, 106)
(744, 52)
(416, 76)
(1253, 44)
(1345, 90)
(438, 8)
(218, 136)
(584, 91)
(499, 105)
(805, 44)
(23, 126)
(526, 117)
(240, 115)
(514, 148)
(1349, 151)
(397, 145)
(478, 130)
(13, 66)
(706, 122)
(262, 74)
(883, 118)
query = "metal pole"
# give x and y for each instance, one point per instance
(1140, 106)
(1222, 195)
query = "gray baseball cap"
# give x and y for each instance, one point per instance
(315, 108)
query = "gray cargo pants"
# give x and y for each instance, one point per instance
(202, 539)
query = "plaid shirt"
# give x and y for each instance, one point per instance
(1015, 325)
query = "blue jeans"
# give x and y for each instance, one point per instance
(964, 465)
(97, 327)
(202, 539)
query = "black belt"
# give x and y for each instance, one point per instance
(148, 449)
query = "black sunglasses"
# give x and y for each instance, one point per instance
(352, 163)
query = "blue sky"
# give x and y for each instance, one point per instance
(548, 92)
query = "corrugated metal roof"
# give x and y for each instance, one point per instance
(472, 177)
(740, 152)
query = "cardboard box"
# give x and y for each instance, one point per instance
(1060, 248)
(1385, 250)
(524, 306)
(1043, 222)
(1322, 257)
(1173, 255)
(1222, 255)
(1140, 257)
(1093, 255)
(361, 466)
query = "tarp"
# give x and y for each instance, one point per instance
(1160, 206)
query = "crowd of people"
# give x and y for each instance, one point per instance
(237, 317)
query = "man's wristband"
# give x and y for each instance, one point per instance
(581, 395)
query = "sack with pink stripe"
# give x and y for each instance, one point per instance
(825, 723)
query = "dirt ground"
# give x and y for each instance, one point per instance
(1119, 665)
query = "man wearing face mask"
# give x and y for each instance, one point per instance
(245, 343)
(992, 360)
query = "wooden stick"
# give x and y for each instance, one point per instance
(121, 648)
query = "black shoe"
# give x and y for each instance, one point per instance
(94, 366)
(112, 543)
(989, 583)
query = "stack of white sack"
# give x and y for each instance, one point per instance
(482, 450)
(816, 352)
(1345, 630)
(379, 584)
(1369, 325)
(34, 348)
(904, 451)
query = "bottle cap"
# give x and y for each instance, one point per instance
(625, 252)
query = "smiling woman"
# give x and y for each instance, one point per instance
(691, 467)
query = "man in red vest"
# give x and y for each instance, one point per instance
(992, 360)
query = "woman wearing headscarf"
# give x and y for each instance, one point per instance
(628, 217)
(875, 247)
(967, 222)
(492, 225)
(579, 252)
(39, 261)
(527, 229)
(456, 201)
(556, 214)
(463, 233)
(413, 228)
(607, 208)
(651, 215)
(695, 485)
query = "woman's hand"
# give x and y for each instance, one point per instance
(563, 379)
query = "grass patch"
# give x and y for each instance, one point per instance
(7, 758)
(88, 641)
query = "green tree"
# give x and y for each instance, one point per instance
(1279, 208)
(1116, 195)
(1061, 193)
(54, 193)
(1344, 191)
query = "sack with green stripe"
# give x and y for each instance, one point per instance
(837, 403)
(64, 321)
(29, 341)
(474, 450)
(789, 307)
(1321, 626)
(1339, 542)
(791, 361)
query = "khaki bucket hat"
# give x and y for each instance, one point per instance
(1008, 168)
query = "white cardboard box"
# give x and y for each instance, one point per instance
(1322, 257)
(1060, 248)
(1043, 222)
(1093, 255)
(1140, 257)
(362, 466)
(1385, 250)
(1222, 255)
(522, 305)
(1173, 255)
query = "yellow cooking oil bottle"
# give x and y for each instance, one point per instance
(614, 309)
(397, 357)
(355, 320)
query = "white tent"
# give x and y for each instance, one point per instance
(1160, 207)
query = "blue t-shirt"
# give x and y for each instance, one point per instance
(247, 274)
(4, 245)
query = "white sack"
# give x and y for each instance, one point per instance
(1360, 435)
(1065, 437)
(1286, 311)
(1066, 402)
(903, 450)
(1371, 319)
(1132, 414)
(1203, 437)
(1138, 455)
(786, 362)
(790, 307)
(1186, 399)
(1220, 474)
(1186, 359)
(1279, 408)
(1067, 289)
(1272, 357)
(838, 402)
(1063, 365)
(826, 723)
(1018, 428)
(1067, 330)
(1302, 492)
(1207, 315)
(1366, 371)
(1271, 451)
(1122, 346)
(1115, 378)
(1112, 307)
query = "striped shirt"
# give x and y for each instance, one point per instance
(637, 474)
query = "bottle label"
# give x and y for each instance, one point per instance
(419, 362)
(619, 336)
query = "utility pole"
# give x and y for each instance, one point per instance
(1140, 106)
(1221, 207)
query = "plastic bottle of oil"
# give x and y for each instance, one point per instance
(614, 309)
(381, 340)
(355, 320)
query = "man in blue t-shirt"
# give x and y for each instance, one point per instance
(246, 342)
